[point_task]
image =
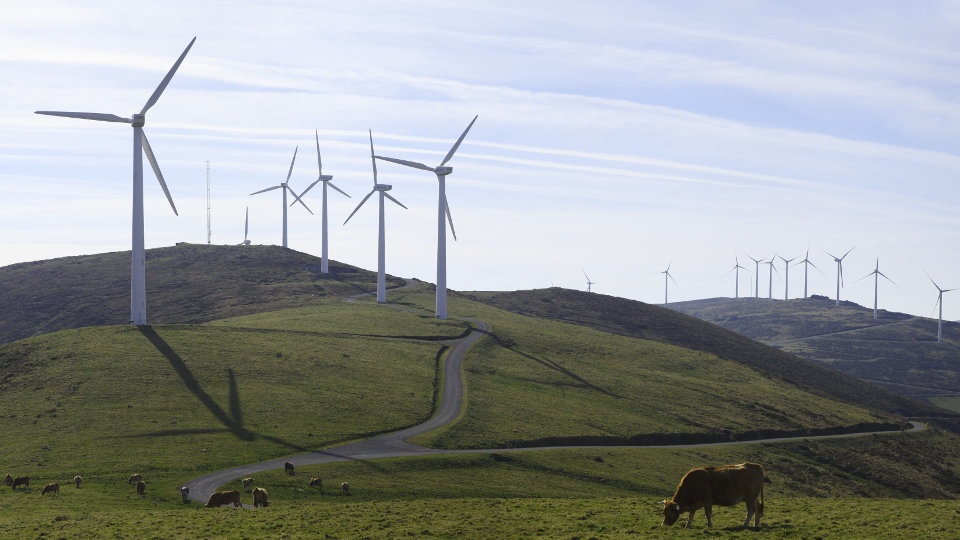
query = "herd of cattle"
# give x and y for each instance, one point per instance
(703, 487)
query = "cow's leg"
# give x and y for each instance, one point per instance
(708, 510)
(690, 519)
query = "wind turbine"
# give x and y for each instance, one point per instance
(771, 271)
(940, 303)
(138, 294)
(736, 268)
(876, 279)
(786, 276)
(326, 179)
(839, 262)
(285, 187)
(442, 208)
(382, 189)
(756, 267)
(246, 228)
(806, 262)
(589, 283)
(666, 284)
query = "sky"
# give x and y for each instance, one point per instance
(613, 139)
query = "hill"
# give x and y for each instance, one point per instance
(186, 284)
(896, 351)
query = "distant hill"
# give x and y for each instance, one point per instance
(646, 321)
(897, 351)
(187, 283)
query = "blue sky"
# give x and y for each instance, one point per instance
(613, 137)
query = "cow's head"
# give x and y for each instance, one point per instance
(671, 512)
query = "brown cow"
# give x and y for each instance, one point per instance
(77, 479)
(21, 480)
(246, 482)
(221, 498)
(9, 480)
(260, 498)
(141, 487)
(727, 485)
(134, 478)
(288, 467)
(52, 487)
(316, 482)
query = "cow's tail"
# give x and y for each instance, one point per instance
(760, 503)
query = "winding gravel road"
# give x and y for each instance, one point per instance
(395, 444)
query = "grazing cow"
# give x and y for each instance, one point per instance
(52, 487)
(221, 498)
(9, 480)
(185, 493)
(316, 482)
(345, 488)
(288, 467)
(77, 479)
(727, 485)
(134, 478)
(260, 498)
(21, 481)
(246, 483)
(141, 487)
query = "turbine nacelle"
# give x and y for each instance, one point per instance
(138, 119)
(325, 178)
(443, 171)
(382, 187)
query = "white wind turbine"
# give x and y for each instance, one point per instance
(940, 303)
(876, 284)
(442, 208)
(786, 276)
(589, 283)
(382, 189)
(666, 284)
(771, 271)
(326, 179)
(756, 267)
(736, 268)
(138, 294)
(839, 261)
(246, 228)
(807, 263)
(285, 187)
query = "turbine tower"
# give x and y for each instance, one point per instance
(786, 276)
(589, 283)
(807, 263)
(246, 228)
(666, 284)
(138, 294)
(839, 261)
(940, 303)
(326, 179)
(736, 268)
(442, 208)
(771, 271)
(285, 187)
(382, 189)
(756, 267)
(876, 284)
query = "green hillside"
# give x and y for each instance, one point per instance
(186, 284)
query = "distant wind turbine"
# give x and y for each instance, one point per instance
(839, 261)
(285, 187)
(666, 284)
(771, 271)
(442, 208)
(786, 276)
(736, 268)
(940, 303)
(589, 283)
(381, 258)
(806, 262)
(756, 267)
(876, 284)
(138, 294)
(246, 227)
(326, 179)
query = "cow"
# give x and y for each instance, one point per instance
(53, 488)
(185, 494)
(21, 481)
(288, 467)
(9, 480)
(221, 498)
(345, 488)
(134, 478)
(726, 485)
(77, 479)
(260, 498)
(316, 482)
(246, 482)
(141, 487)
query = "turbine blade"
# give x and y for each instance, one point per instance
(886, 278)
(297, 199)
(413, 164)
(103, 117)
(338, 189)
(387, 195)
(268, 189)
(292, 161)
(457, 144)
(446, 208)
(359, 205)
(319, 161)
(166, 80)
(847, 253)
(304, 192)
(372, 158)
(246, 224)
(830, 254)
(156, 170)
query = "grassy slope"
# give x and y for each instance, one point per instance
(188, 283)
(636, 319)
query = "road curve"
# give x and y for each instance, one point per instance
(395, 444)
